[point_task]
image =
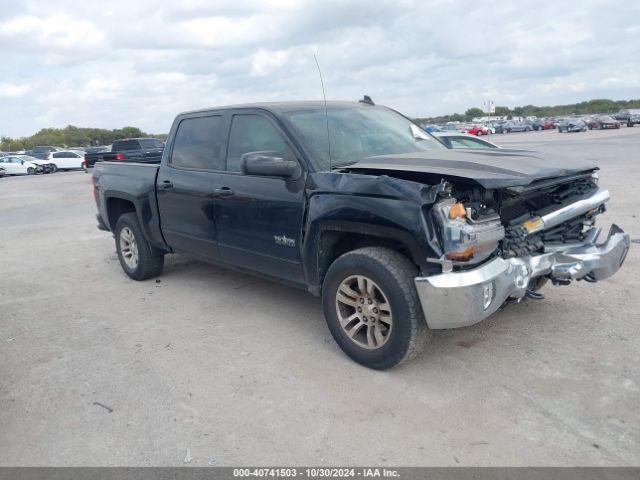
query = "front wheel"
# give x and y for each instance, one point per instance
(372, 307)
(31, 171)
(54, 168)
(137, 257)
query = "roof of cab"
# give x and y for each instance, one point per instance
(285, 107)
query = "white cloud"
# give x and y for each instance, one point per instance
(9, 90)
(139, 63)
(265, 62)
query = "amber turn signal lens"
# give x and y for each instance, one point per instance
(461, 256)
(457, 211)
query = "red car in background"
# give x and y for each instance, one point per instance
(478, 130)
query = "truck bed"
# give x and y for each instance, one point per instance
(135, 182)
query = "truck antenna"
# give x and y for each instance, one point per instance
(326, 112)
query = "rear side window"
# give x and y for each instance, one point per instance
(252, 133)
(125, 145)
(198, 143)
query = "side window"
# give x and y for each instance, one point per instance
(252, 133)
(198, 143)
(58, 155)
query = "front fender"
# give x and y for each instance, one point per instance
(380, 206)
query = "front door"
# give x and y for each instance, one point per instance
(186, 186)
(259, 219)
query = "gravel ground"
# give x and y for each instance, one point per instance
(96, 369)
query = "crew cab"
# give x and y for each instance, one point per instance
(355, 203)
(147, 150)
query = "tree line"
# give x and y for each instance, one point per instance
(602, 105)
(71, 136)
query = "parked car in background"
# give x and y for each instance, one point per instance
(66, 159)
(600, 122)
(477, 130)
(46, 167)
(147, 150)
(450, 127)
(41, 152)
(542, 124)
(463, 140)
(14, 165)
(630, 116)
(511, 126)
(572, 125)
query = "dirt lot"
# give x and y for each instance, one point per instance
(96, 369)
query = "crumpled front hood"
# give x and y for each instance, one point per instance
(491, 168)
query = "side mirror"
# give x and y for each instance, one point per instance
(22, 162)
(269, 164)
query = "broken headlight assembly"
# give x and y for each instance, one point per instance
(468, 233)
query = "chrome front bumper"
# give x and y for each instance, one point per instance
(459, 299)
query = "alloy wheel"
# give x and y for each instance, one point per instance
(364, 312)
(129, 248)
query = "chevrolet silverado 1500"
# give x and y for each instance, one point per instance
(354, 203)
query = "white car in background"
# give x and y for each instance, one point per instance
(463, 140)
(17, 165)
(66, 159)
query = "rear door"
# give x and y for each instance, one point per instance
(259, 219)
(60, 159)
(186, 185)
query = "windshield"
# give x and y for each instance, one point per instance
(358, 132)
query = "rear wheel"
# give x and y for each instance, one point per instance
(137, 257)
(372, 307)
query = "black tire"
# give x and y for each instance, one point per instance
(535, 284)
(394, 274)
(629, 124)
(150, 262)
(31, 171)
(54, 169)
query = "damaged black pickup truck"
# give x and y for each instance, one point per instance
(398, 234)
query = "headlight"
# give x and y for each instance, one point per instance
(465, 237)
(595, 176)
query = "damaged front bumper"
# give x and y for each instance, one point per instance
(459, 299)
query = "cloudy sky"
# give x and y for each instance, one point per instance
(139, 62)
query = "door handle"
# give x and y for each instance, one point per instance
(223, 192)
(166, 185)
